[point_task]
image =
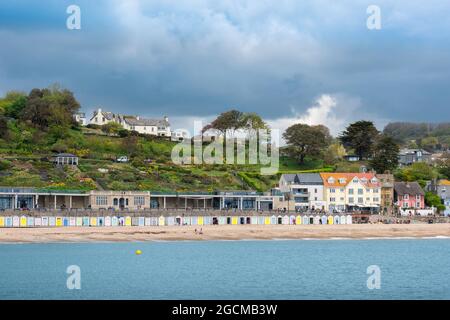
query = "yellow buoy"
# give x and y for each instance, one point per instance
(138, 252)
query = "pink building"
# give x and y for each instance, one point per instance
(409, 195)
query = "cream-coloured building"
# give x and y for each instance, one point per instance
(351, 192)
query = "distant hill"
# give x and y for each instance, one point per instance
(431, 136)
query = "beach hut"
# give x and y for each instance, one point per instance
(161, 221)
(72, 221)
(324, 220)
(2, 222)
(186, 221)
(38, 222)
(8, 222)
(298, 219)
(349, 219)
(316, 219)
(267, 220)
(114, 221)
(79, 221)
(254, 220)
(170, 221)
(141, 221)
(85, 221)
(279, 220)
(311, 219)
(222, 220)
(23, 221)
(342, 220)
(330, 220)
(30, 222)
(234, 220)
(336, 220)
(154, 221)
(128, 221)
(285, 220)
(93, 221)
(292, 220)
(273, 219)
(107, 221)
(52, 221)
(194, 221)
(147, 221)
(134, 221)
(121, 221)
(178, 221)
(261, 220)
(16, 221)
(65, 221)
(101, 221)
(305, 220)
(207, 220)
(200, 221)
(59, 221)
(45, 221)
(241, 220)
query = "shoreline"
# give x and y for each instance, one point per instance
(225, 232)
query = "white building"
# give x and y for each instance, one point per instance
(303, 191)
(101, 117)
(80, 117)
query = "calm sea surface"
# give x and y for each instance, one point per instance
(303, 269)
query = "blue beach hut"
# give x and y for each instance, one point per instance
(141, 221)
(30, 222)
(9, 222)
(261, 220)
(186, 221)
(207, 220)
(194, 221)
(324, 219)
(114, 221)
(273, 220)
(85, 221)
(305, 220)
(52, 221)
(154, 221)
(65, 222)
(170, 221)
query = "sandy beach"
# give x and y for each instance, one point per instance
(228, 232)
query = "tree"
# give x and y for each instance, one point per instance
(360, 136)
(418, 171)
(13, 103)
(429, 143)
(229, 120)
(334, 153)
(385, 155)
(303, 140)
(443, 165)
(433, 200)
(3, 127)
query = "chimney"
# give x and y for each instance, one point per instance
(137, 117)
(166, 119)
(99, 111)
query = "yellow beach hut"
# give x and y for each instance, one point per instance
(161, 221)
(200, 221)
(93, 222)
(2, 222)
(234, 220)
(298, 220)
(23, 221)
(128, 221)
(330, 220)
(59, 221)
(267, 220)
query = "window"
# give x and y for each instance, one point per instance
(376, 199)
(360, 200)
(115, 202)
(355, 180)
(405, 204)
(406, 197)
(350, 191)
(376, 190)
(360, 191)
(315, 190)
(332, 199)
(418, 205)
(342, 199)
(342, 190)
(101, 201)
(418, 197)
(332, 190)
(342, 180)
(330, 180)
(351, 200)
(139, 201)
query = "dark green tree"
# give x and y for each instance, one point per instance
(303, 140)
(385, 155)
(229, 120)
(360, 136)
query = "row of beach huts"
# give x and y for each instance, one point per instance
(117, 221)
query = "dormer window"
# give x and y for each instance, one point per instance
(330, 180)
(374, 180)
(355, 180)
(364, 180)
(342, 180)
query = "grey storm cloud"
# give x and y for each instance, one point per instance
(194, 58)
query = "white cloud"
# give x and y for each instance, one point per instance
(334, 111)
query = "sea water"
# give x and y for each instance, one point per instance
(284, 269)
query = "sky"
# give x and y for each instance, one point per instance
(291, 61)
